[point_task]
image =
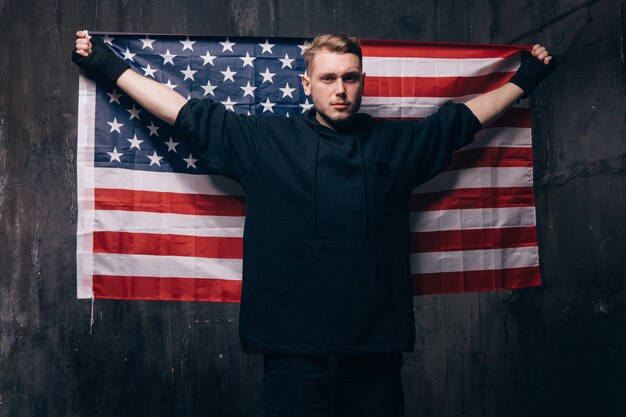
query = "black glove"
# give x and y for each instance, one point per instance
(102, 60)
(531, 72)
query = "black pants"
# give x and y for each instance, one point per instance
(339, 385)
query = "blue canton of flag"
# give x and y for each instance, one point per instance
(250, 76)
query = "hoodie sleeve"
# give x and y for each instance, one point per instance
(225, 142)
(434, 139)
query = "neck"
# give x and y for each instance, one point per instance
(324, 122)
(332, 125)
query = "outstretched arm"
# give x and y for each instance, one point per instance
(92, 54)
(534, 67)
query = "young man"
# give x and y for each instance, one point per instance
(326, 292)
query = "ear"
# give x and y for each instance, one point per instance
(306, 84)
(362, 82)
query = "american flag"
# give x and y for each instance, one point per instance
(153, 225)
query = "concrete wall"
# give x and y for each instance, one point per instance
(557, 350)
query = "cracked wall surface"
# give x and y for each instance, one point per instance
(554, 350)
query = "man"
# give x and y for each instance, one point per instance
(326, 292)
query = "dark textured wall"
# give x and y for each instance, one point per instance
(556, 350)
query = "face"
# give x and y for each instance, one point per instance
(335, 83)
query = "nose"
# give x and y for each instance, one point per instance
(340, 88)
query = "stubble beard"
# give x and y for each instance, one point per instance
(344, 121)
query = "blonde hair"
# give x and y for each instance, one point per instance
(334, 43)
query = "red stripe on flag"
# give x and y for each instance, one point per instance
(433, 86)
(411, 49)
(160, 202)
(156, 288)
(470, 198)
(501, 157)
(498, 279)
(168, 245)
(473, 239)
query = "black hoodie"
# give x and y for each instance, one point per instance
(326, 253)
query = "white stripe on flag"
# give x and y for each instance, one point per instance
(166, 182)
(167, 223)
(166, 266)
(501, 137)
(474, 260)
(437, 67)
(486, 177)
(84, 186)
(439, 220)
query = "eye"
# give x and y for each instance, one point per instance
(327, 78)
(350, 78)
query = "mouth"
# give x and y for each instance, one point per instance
(340, 105)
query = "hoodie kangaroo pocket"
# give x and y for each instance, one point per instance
(336, 299)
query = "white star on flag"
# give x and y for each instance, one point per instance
(153, 129)
(134, 113)
(248, 90)
(267, 46)
(208, 58)
(155, 159)
(189, 74)
(115, 155)
(147, 42)
(187, 44)
(267, 106)
(228, 45)
(108, 39)
(169, 84)
(230, 105)
(306, 45)
(171, 145)
(267, 75)
(286, 61)
(128, 55)
(115, 125)
(287, 91)
(167, 57)
(148, 71)
(306, 105)
(191, 161)
(209, 88)
(135, 142)
(247, 60)
(228, 74)
(115, 96)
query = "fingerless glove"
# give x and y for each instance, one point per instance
(531, 72)
(102, 60)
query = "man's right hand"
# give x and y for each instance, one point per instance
(92, 54)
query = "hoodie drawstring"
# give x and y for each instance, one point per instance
(332, 367)
(317, 154)
(358, 141)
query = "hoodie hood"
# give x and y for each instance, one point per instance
(360, 124)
